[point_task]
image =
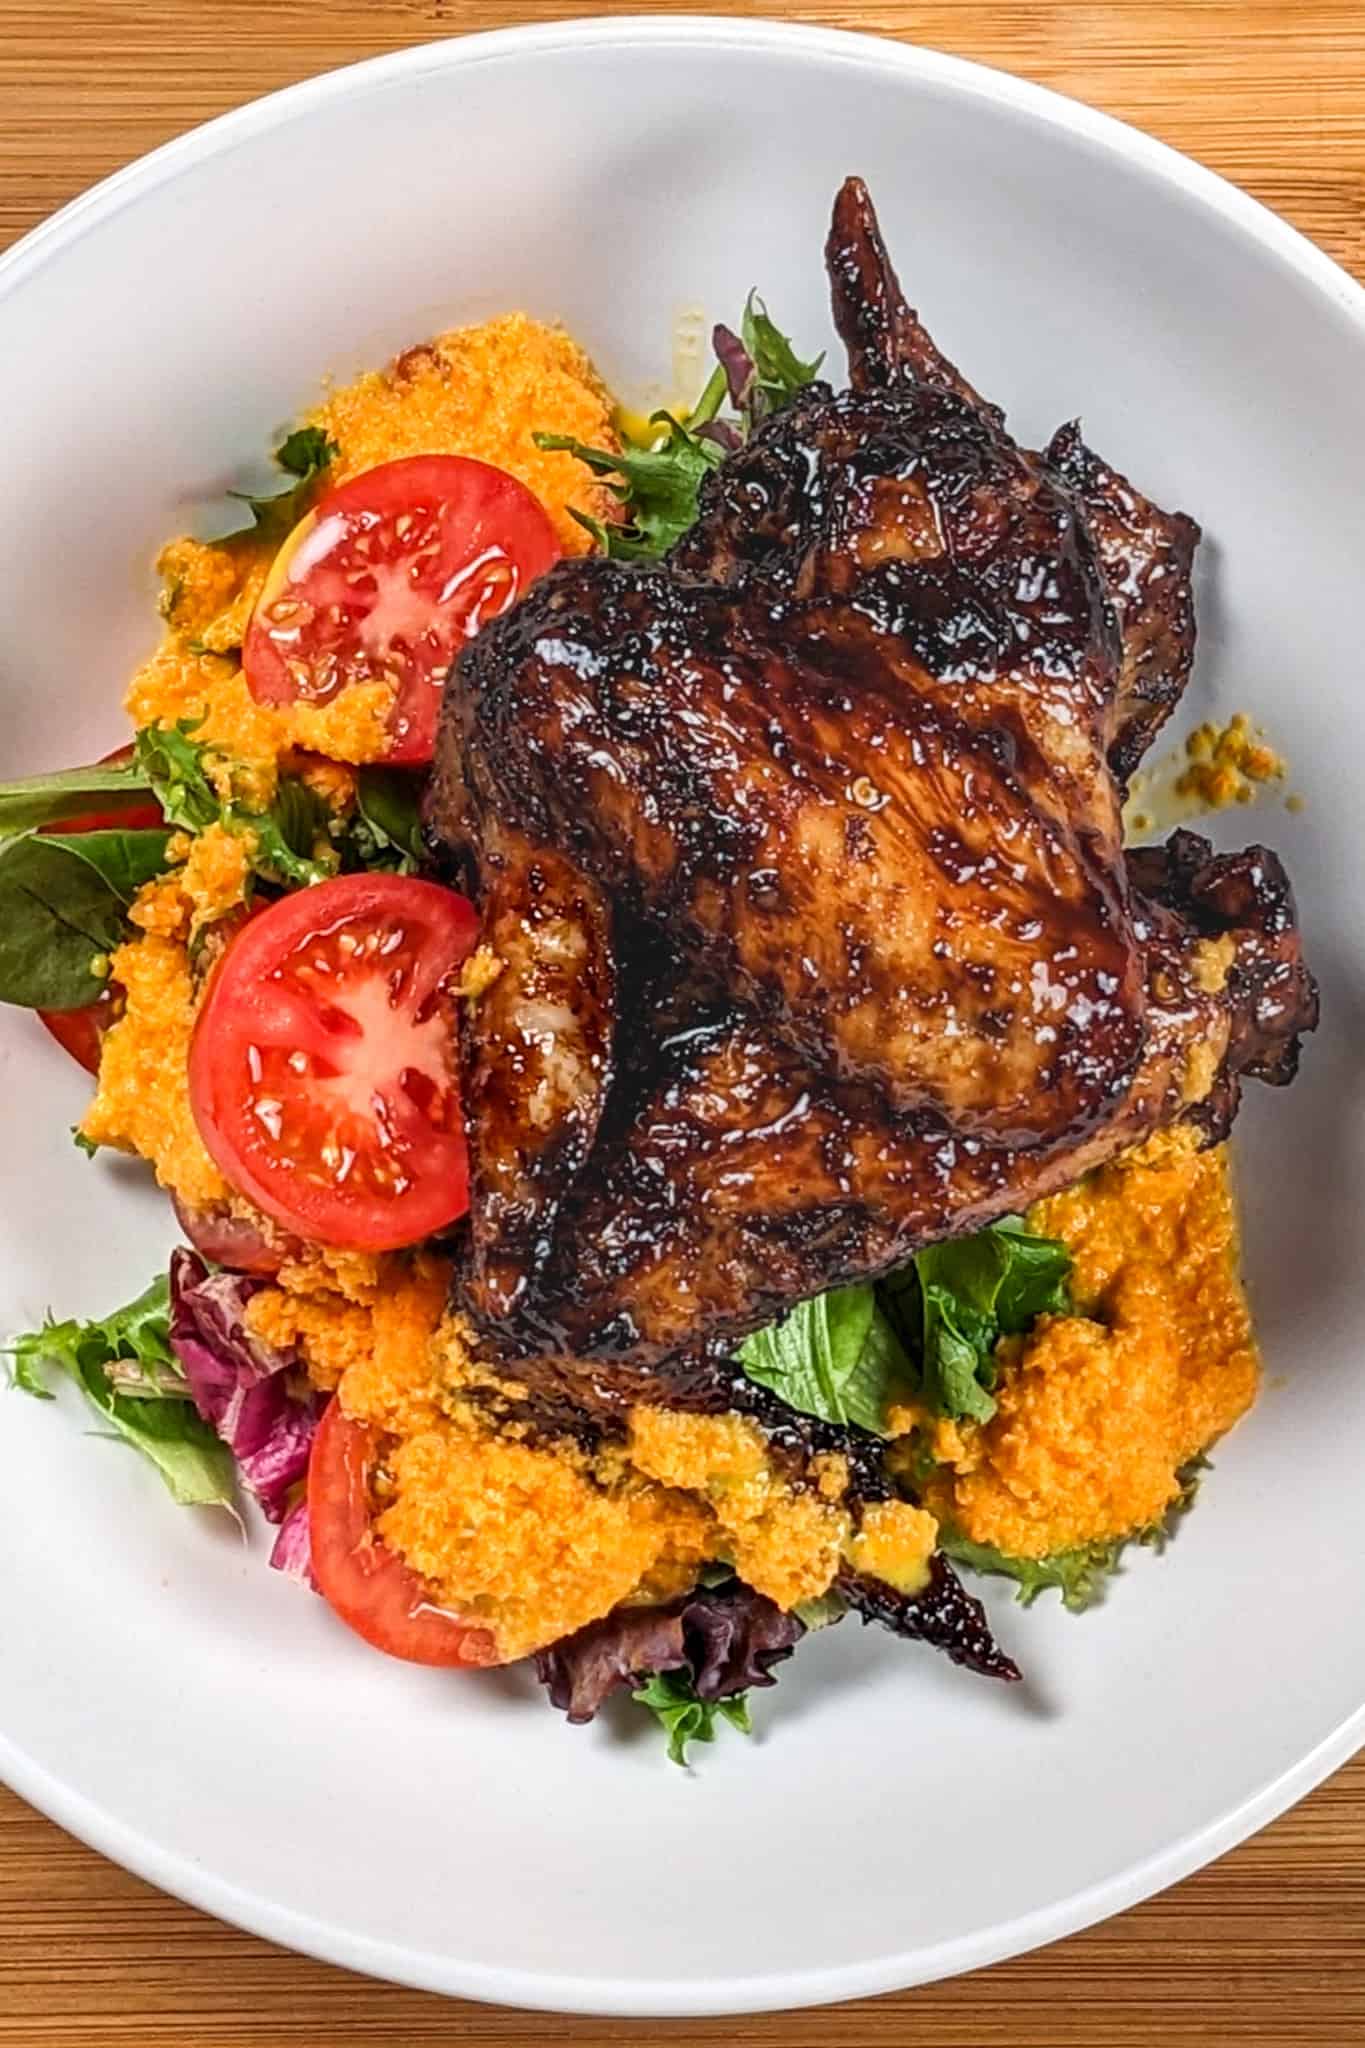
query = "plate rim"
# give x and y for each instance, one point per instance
(122, 1842)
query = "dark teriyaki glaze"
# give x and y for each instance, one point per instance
(945, 1615)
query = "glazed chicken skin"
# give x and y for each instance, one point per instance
(852, 747)
(848, 955)
(740, 1170)
(538, 1066)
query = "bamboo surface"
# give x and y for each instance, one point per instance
(1268, 1945)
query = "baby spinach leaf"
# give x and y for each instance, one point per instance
(836, 1356)
(124, 1366)
(386, 831)
(306, 455)
(684, 1718)
(47, 799)
(62, 906)
(1035, 1279)
(125, 861)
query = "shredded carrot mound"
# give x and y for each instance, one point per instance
(209, 691)
(484, 391)
(784, 1541)
(519, 1537)
(214, 876)
(536, 1537)
(142, 1101)
(1098, 1412)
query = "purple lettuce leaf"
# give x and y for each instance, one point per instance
(293, 1549)
(737, 363)
(726, 1638)
(723, 433)
(241, 1386)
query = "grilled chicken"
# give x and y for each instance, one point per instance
(803, 851)
(540, 1058)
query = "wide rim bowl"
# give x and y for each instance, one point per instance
(835, 51)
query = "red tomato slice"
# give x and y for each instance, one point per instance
(387, 577)
(80, 1032)
(322, 1068)
(363, 1581)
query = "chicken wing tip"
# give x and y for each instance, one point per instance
(885, 341)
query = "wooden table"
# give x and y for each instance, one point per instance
(1268, 1946)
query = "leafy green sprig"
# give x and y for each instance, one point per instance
(656, 480)
(306, 456)
(124, 1366)
(670, 1697)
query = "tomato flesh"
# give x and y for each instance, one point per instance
(322, 1067)
(364, 1582)
(81, 1032)
(386, 579)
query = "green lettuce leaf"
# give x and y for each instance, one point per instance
(1079, 1575)
(63, 904)
(306, 455)
(124, 1366)
(386, 831)
(683, 1717)
(955, 1301)
(291, 842)
(837, 1357)
(172, 764)
(1036, 1280)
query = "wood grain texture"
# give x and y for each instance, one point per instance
(1267, 1946)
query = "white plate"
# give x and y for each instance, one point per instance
(199, 1719)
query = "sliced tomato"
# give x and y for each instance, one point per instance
(387, 578)
(322, 1067)
(363, 1581)
(81, 1032)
